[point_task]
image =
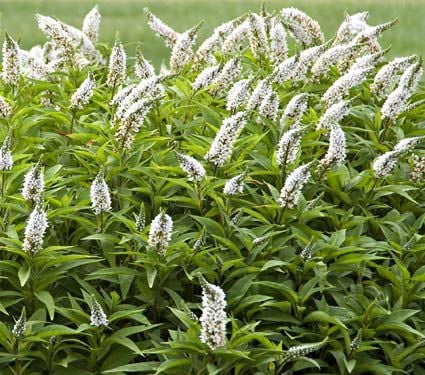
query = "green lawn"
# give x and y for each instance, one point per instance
(126, 16)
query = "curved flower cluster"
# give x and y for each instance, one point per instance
(99, 194)
(222, 146)
(336, 154)
(302, 350)
(302, 27)
(289, 146)
(6, 160)
(191, 166)
(238, 94)
(33, 184)
(235, 185)
(294, 183)
(182, 52)
(278, 45)
(35, 229)
(257, 35)
(83, 94)
(161, 29)
(295, 109)
(160, 233)
(213, 318)
(91, 24)
(333, 115)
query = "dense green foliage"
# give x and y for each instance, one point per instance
(343, 270)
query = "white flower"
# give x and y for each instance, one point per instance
(35, 229)
(388, 75)
(286, 70)
(395, 103)
(227, 75)
(295, 109)
(222, 147)
(160, 233)
(333, 115)
(336, 154)
(210, 45)
(99, 194)
(257, 35)
(33, 184)
(20, 326)
(260, 92)
(97, 315)
(235, 185)
(342, 85)
(117, 64)
(294, 183)
(289, 145)
(407, 144)
(235, 38)
(269, 106)
(206, 77)
(141, 218)
(131, 120)
(5, 108)
(278, 45)
(411, 76)
(161, 29)
(91, 24)
(213, 318)
(336, 55)
(83, 94)
(368, 61)
(191, 166)
(384, 164)
(351, 27)
(306, 30)
(11, 61)
(182, 53)
(6, 161)
(142, 68)
(238, 94)
(302, 350)
(122, 94)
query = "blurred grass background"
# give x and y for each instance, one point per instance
(127, 17)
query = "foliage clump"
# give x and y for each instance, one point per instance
(254, 207)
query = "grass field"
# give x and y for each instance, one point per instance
(126, 16)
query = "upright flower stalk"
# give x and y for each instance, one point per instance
(213, 318)
(100, 198)
(160, 233)
(117, 66)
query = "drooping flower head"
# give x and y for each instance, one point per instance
(295, 109)
(227, 75)
(99, 194)
(333, 115)
(160, 233)
(213, 318)
(238, 94)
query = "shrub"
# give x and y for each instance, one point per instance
(253, 208)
